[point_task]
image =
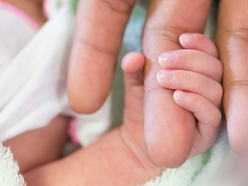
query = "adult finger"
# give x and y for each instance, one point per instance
(169, 129)
(232, 41)
(100, 27)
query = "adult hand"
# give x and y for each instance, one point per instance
(232, 41)
(93, 60)
(169, 129)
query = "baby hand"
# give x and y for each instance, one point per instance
(195, 74)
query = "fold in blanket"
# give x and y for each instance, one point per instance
(34, 73)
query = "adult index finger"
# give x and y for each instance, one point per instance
(169, 129)
(100, 27)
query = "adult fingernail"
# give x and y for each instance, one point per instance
(167, 58)
(188, 38)
(165, 75)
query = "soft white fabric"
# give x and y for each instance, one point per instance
(51, 7)
(89, 127)
(12, 39)
(200, 170)
(33, 82)
(9, 170)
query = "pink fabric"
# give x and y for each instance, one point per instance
(73, 131)
(20, 13)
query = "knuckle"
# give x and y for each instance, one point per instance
(190, 56)
(197, 102)
(218, 94)
(188, 77)
(183, 77)
(168, 33)
(218, 70)
(236, 34)
(201, 103)
(121, 6)
(84, 43)
(202, 144)
(237, 83)
(215, 120)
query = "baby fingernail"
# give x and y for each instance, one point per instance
(180, 95)
(164, 76)
(188, 38)
(167, 58)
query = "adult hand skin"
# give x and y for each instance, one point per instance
(99, 31)
(169, 139)
(169, 129)
(232, 41)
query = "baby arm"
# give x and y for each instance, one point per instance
(120, 157)
(166, 20)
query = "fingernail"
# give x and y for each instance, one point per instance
(188, 38)
(167, 58)
(165, 75)
(180, 95)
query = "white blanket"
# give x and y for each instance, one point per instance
(9, 170)
(33, 73)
